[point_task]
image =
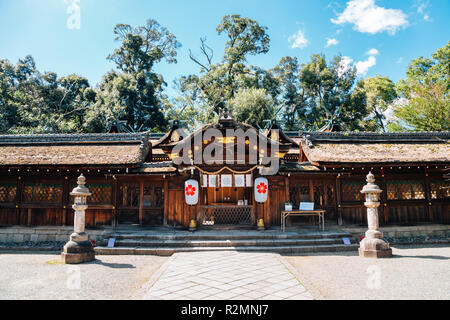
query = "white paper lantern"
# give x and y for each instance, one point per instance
(261, 189)
(191, 191)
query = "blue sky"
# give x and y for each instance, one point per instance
(378, 36)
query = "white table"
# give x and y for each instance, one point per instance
(319, 213)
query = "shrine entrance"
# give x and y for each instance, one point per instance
(227, 200)
(140, 202)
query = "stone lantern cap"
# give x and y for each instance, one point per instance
(81, 189)
(371, 187)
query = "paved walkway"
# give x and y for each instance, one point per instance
(225, 276)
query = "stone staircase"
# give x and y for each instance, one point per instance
(166, 243)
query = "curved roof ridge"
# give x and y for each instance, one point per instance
(439, 136)
(72, 138)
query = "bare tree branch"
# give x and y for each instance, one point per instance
(191, 56)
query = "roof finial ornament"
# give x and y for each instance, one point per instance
(226, 115)
(370, 178)
(226, 118)
(81, 180)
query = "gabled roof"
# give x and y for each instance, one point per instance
(282, 137)
(225, 123)
(74, 149)
(370, 147)
(175, 134)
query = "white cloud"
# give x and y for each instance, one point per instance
(332, 42)
(298, 40)
(372, 52)
(421, 9)
(390, 111)
(363, 66)
(367, 17)
(399, 60)
(344, 65)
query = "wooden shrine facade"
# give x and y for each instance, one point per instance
(134, 178)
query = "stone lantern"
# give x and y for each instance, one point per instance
(373, 246)
(79, 249)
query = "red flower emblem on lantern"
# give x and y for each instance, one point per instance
(262, 188)
(190, 190)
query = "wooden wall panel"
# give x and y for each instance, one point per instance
(176, 214)
(9, 216)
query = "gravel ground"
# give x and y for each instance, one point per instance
(39, 276)
(414, 272)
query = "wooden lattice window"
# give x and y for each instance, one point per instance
(299, 192)
(439, 189)
(153, 196)
(8, 192)
(351, 191)
(405, 190)
(129, 195)
(42, 192)
(323, 195)
(101, 193)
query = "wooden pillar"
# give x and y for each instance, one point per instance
(141, 203)
(166, 201)
(338, 201)
(115, 197)
(29, 212)
(428, 196)
(384, 198)
(311, 190)
(267, 215)
(255, 209)
(286, 186)
(19, 196)
(66, 198)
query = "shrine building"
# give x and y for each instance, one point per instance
(223, 174)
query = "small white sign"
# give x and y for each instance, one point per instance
(248, 180)
(205, 181)
(111, 242)
(226, 180)
(239, 180)
(307, 206)
(212, 181)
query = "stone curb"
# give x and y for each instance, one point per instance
(315, 294)
(145, 288)
(6, 249)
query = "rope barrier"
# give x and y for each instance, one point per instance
(226, 168)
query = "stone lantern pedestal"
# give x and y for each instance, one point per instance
(373, 246)
(79, 249)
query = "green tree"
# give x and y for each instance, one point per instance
(331, 99)
(137, 88)
(425, 94)
(252, 106)
(293, 99)
(427, 109)
(380, 94)
(32, 102)
(218, 83)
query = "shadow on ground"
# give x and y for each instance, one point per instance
(113, 265)
(422, 257)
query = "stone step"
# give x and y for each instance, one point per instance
(167, 251)
(227, 236)
(225, 243)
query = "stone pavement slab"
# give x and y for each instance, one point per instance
(227, 275)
